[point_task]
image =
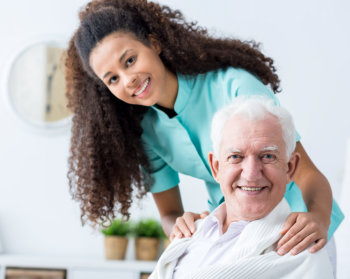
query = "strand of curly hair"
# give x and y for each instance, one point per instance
(107, 161)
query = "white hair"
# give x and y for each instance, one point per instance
(254, 108)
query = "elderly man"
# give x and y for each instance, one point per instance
(253, 161)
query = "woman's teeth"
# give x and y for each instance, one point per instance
(251, 188)
(143, 87)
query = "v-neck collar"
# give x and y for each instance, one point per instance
(183, 93)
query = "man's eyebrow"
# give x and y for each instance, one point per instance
(270, 148)
(232, 150)
(120, 61)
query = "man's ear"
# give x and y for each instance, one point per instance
(214, 165)
(293, 165)
(154, 44)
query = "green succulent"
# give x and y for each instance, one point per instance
(148, 228)
(117, 228)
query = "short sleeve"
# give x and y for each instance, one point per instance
(163, 175)
(249, 85)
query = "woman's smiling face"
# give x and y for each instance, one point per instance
(133, 71)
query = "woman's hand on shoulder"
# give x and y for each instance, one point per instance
(300, 230)
(184, 225)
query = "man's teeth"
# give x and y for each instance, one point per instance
(251, 188)
(143, 88)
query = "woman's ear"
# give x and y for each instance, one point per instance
(214, 165)
(154, 44)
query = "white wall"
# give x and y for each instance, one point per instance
(309, 41)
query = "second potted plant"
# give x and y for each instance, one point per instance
(116, 240)
(148, 234)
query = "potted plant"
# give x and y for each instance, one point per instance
(148, 234)
(116, 239)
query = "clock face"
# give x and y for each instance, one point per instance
(56, 102)
(36, 84)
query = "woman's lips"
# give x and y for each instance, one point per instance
(144, 89)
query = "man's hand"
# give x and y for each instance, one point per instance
(300, 230)
(184, 225)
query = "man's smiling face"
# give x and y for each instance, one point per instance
(252, 169)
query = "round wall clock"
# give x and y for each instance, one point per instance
(35, 86)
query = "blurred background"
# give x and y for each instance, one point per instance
(308, 40)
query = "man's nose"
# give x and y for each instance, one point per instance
(251, 169)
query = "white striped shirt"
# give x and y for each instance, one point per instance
(212, 246)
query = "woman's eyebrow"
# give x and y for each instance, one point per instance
(120, 60)
(106, 75)
(124, 54)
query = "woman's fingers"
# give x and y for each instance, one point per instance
(290, 221)
(301, 234)
(298, 244)
(189, 218)
(184, 225)
(175, 233)
(290, 229)
(319, 245)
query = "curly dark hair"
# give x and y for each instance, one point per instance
(107, 161)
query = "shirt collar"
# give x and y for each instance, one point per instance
(185, 84)
(217, 218)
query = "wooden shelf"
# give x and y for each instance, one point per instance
(76, 266)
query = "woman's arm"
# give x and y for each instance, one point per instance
(175, 222)
(315, 187)
(302, 229)
(170, 207)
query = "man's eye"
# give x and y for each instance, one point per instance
(268, 157)
(112, 80)
(235, 158)
(130, 61)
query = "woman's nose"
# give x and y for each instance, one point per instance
(131, 81)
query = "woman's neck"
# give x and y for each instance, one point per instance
(169, 96)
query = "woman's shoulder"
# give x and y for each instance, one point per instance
(217, 76)
(230, 81)
(226, 71)
(232, 73)
(220, 75)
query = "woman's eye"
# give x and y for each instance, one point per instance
(112, 80)
(130, 61)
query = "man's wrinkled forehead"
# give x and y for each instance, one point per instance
(241, 133)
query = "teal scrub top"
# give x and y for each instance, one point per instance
(181, 144)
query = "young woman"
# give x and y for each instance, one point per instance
(143, 85)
